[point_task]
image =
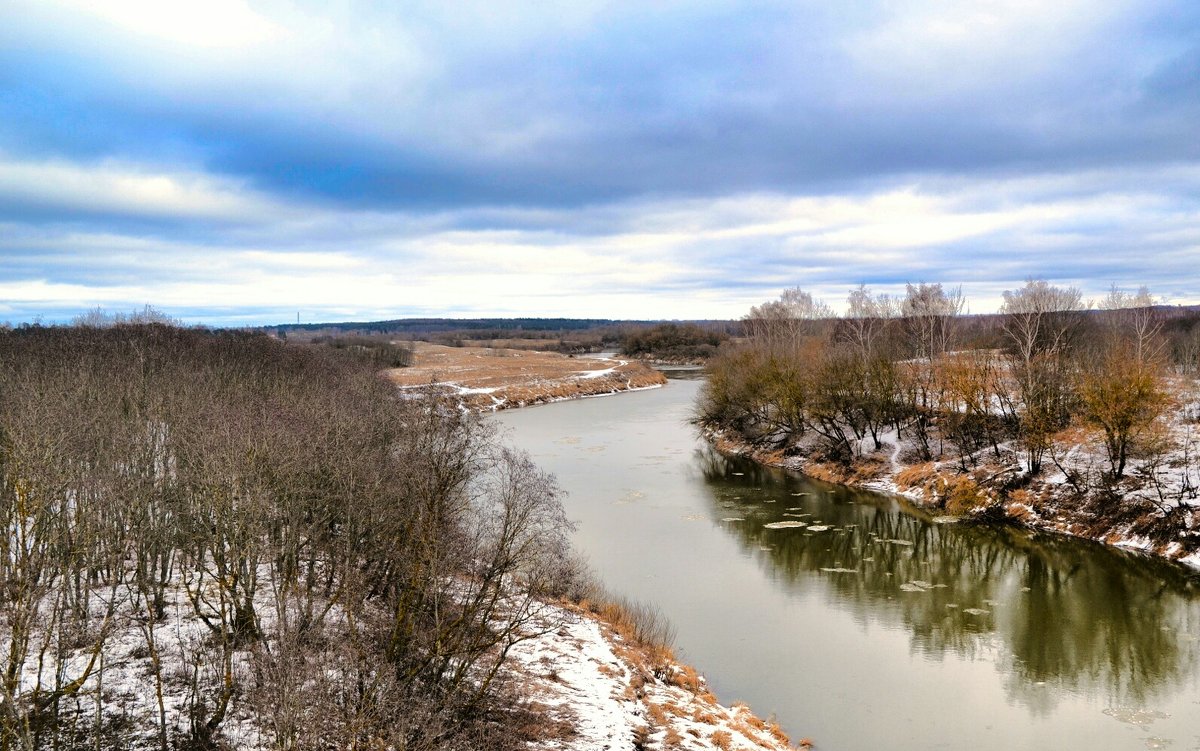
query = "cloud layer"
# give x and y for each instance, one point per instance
(236, 162)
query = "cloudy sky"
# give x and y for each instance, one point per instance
(242, 162)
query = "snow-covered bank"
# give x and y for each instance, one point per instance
(589, 688)
(603, 692)
(1147, 514)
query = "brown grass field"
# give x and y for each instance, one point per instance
(497, 378)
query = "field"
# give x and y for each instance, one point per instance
(498, 378)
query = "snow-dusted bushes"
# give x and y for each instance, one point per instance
(1001, 390)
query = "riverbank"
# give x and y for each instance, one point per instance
(590, 680)
(489, 379)
(1136, 514)
(594, 685)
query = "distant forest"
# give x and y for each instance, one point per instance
(567, 335)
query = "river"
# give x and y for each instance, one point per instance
(870, 627)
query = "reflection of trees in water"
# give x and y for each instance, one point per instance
(1061, 612)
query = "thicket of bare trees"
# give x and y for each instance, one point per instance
(952, 386)
(360, 563)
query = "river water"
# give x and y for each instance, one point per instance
(870, 627)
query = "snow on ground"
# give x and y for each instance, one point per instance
(124, 673)
(1154, 485)
(598, 692)
(582, 374)
(606, 695)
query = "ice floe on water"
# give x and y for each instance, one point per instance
(784, 525)
(919, 585)
(818, 527)
(840, 570)
(977, 611)
(734, 519)
(633, 496)
(1143, 718)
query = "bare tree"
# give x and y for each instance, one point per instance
(930, 313)
(868, 319)
(784, 322)
(1039, 322)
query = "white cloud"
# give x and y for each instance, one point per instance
(213, 24)
(694, 258)
(130, 190)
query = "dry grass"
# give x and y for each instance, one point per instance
(962, 495)
(657, 714)
(705, 716)
(916, 476)
(868, 468)
(518, 377)
(686, 677)
(830, 472)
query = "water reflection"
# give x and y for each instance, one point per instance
(1053, 615)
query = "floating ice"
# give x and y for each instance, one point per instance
(801, 494)
(840, 570)
(818, 528)
(977, 611)
(733, 519)
(1134, 716)
(910, 587)
(784, 525)
(922, 584)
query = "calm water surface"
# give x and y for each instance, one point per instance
(870, 627)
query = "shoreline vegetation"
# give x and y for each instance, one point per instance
(1057, 414)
